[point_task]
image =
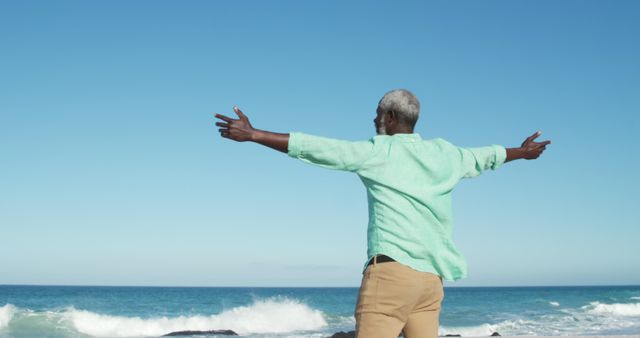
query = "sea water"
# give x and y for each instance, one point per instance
(89, 311)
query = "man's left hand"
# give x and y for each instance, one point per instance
(236, 129)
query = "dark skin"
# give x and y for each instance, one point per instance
(241, 130)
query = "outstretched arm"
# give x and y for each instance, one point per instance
(322, 151)
(241, 130)
(528, 150)
(474, 161)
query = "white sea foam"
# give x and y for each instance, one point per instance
(468, 331)
(554, 303)
(347, 320)
(635, 298)
(592, 319)
(283, 317)
(270, 316)
(6, 313)
(617, 309)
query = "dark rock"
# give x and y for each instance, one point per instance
(352, 334)
(342, 334)
(495, 334)
(191, 333)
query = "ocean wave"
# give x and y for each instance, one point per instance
(482, 330)
(635, 298)
(544, 326)
(6, 313)
(593, 319)
(554, 303)
(274, 316)
(269, 316)
(283, 317)
(619, 309)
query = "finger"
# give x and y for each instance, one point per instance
(222, 124)
(533, 137)
(544, 143)
(239, 112)
(225, 118)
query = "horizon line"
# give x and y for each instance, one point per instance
(307, 287)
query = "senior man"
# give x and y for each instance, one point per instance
(409, 182)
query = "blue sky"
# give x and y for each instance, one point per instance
(113, 172)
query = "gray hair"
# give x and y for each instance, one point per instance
(403, 103)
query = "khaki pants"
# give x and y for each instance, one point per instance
(395, 298)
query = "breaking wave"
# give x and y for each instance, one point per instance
(284, 317)
(269, 316)
(6, 313)
(593, 319)
(618, 309)
(483, 330)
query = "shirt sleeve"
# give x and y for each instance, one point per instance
(329, 153)
(474, 161)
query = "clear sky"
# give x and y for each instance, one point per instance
(113, 172)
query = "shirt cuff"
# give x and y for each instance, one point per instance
(501, 156)
(294, 148)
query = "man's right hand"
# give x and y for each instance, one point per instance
(530, 149)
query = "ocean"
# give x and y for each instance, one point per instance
(90, 311)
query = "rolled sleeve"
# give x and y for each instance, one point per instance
(474, 161)
(329, 153)
(294, 148)
(501, 156)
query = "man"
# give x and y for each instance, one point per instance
(409, 182)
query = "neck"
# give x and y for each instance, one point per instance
(404, 130)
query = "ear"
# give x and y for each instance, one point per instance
(392, 117)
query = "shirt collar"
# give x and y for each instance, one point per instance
(405, 137)
(408, 137)
(414, 135)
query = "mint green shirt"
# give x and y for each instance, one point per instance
(409, 182)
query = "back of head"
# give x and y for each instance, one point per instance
(403, 103)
